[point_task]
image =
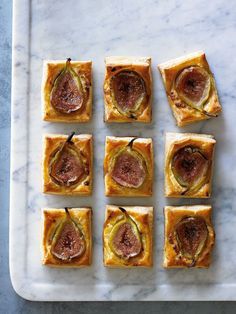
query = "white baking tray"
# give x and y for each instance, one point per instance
(92, 30)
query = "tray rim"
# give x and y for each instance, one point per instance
(16, 20)
(21, 285)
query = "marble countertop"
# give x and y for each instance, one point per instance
(9, 301)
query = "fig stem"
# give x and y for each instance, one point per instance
(131, 142)
(69, 138)
(67, 211)
(133, 117)
(193, 263)
(123, 210)
(68, 60)
(185, 191)
(209, 114)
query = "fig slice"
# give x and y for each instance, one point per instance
(191, 235)
(128, 92)
(67, 92)
(193, 86)
(68, 241)
(129, 167)
(190, 167)
(125, 239)
(66, 167)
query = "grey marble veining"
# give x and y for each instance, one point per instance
(93, 30)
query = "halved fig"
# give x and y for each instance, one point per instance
(191, 235)
(67, 92)
(128, 92)
(190, 167)
(193, 86)
(66, 167)
(68, 241)
(129, 169)
(125, 240)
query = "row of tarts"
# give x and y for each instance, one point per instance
(128, 162)
(189, 84)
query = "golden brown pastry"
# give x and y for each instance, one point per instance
(189, 236)
(128, 89)
(67, 237)
(190, 88)
(68, 164)
(67, 91)
(127, 236)
(128, 166)
(188, 165)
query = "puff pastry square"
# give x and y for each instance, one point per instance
(118, 168)
(189, 216)
(138, 69)
(52, 219)
(143, 218)
(51, 71)
(193, 155)
(83, 145)
(183, 112)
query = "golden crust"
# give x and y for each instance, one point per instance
(84, 144)
(184, 114)
(113, 66)
(173, 214)
(51, 219)
(51, 69)
(143, 146)
(174, 142)
(143, 217)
